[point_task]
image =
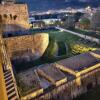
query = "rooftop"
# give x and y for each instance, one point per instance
(81, 62)
(29, 82)
(51, 73)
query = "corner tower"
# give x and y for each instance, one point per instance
(14, 16)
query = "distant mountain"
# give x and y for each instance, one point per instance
(44, 5)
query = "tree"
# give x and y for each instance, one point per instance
(84, 23)
(68, 21)
(78, 16)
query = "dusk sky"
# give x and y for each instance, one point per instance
(43, 5)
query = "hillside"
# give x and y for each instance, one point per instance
(44, 5)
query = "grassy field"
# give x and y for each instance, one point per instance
(63, 36)
(62, 48)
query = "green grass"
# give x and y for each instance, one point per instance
(62, 48)
(63, 36)
(91, 95)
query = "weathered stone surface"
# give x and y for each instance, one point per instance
(28, 46)
(14, 17)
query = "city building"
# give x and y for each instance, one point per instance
(95, 22)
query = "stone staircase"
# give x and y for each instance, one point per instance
(10, 87)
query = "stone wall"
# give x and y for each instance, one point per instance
(27, 46)
(14, 17)
(71, 90)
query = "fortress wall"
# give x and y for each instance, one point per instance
(27, 45)
(71, 90)
(14, 17)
